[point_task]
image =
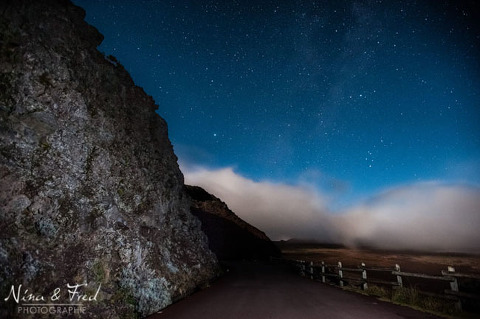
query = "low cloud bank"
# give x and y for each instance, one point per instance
(424, 216)
(430, 216)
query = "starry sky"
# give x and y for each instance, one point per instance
(350, 97)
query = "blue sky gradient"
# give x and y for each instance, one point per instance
(352, 97)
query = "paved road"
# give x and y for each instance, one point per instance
(253, 290)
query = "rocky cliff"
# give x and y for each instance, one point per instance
(90, 188)
(229, 236)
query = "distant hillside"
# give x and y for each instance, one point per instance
(229, 236)
(294, 243)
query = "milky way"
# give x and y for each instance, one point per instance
(352, 97)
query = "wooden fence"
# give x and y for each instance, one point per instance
(362, 276)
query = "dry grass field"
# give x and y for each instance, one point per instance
(420, 262)
(413, 262)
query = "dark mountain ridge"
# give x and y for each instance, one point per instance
(229, 237)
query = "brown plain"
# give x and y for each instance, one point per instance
(419, 262)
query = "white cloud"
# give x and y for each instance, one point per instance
(419, 216)
(430, 215)
(282, 211)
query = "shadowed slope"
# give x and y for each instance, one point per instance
(229, 236)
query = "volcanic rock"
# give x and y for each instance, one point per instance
(90, 189)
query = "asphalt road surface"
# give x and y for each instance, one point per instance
(253, 290)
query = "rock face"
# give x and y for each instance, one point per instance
(90, 189)
(229, 236)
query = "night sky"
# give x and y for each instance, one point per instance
(350, 97)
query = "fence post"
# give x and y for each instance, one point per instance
(323, 272)
(454, 287)
(340, 273)
(364, 277)
(399, 278)
(303, 268)
(299, 267)
(311, 270)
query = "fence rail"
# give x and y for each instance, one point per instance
(342, 276)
